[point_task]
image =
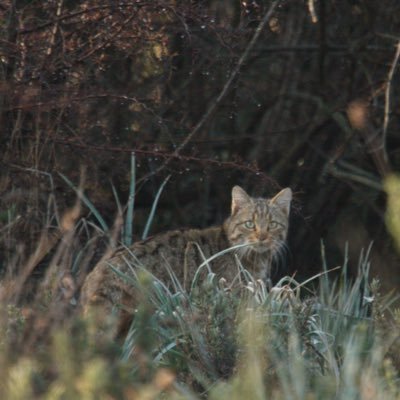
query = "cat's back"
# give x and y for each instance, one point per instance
(178, 251)
(173, 248)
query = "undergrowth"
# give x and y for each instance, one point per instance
(331, 337)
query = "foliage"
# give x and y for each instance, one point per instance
(173, 88)
(392, 186)
(312, 106)
(324, 338)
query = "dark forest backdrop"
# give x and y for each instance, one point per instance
(264, 94)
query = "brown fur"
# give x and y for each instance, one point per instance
(259, 224)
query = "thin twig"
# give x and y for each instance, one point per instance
(334, 171)
(387, 96)
(237, 165)
(322, 40)
(107, 41)
(75, 14)
(223, 92)
(311, 9)
(330, 48)
(55, 28)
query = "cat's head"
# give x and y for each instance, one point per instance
(260, 223)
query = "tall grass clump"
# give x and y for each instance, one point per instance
(322, 338)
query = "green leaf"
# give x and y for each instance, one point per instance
(153, 208)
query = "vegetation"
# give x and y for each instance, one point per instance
(323, 338)
(158, 108)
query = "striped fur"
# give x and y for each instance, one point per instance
(259, 224)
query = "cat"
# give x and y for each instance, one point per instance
(256, 231)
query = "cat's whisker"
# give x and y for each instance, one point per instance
(279, 252)
(282, 249)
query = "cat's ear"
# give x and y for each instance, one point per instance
(283, 199)
(239, 199)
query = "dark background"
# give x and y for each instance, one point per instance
(87, 83)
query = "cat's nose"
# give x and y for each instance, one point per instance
(262, 236)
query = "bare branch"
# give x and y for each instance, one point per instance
(55, 28)
(161, 155)
(387, 95)
(224, 90)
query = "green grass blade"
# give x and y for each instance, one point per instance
(117, 201)
(131, 203)
(88, 203)
(153, 208)
(206, 262)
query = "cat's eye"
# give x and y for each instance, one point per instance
(273, 224)
(249, 224)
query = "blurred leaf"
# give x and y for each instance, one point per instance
(392, 217)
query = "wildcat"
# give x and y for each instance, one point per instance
(256, 229)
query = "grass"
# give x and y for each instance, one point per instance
(331, 337)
